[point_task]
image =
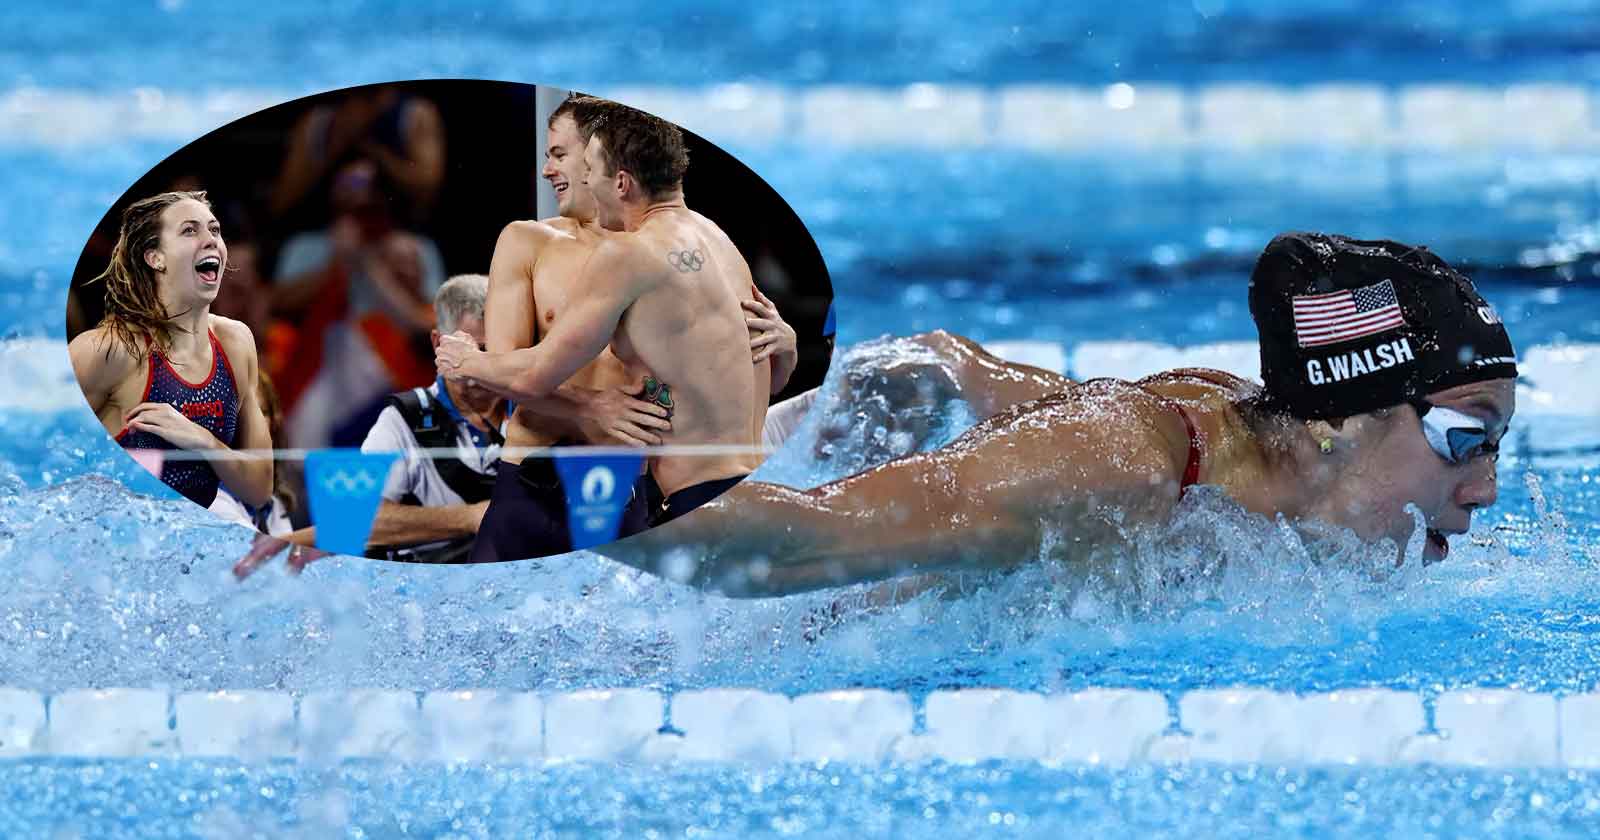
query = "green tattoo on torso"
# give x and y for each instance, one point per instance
(659, 393)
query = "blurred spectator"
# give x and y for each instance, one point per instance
(359, 294)
(400, 132)
(245, 296)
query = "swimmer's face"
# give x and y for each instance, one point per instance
(190, 256)
(1401, 467)
(564, 169)
(606, 186)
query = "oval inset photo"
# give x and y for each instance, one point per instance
(449, 321)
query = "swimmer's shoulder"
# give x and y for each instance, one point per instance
(528, 238)
(561, 226)
(711, 229)
(1104, 403)
(639, 256)
(553, 229)
(528, 234)
(1195, 382)
(100, 361)
(235, 336)
(1107, 420)
(239, 346)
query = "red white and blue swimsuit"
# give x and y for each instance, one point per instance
(212, 403)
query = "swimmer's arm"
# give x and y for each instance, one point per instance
(613, 279)
(249, 478)
(606, 417)
(100, 364)
(772, 339)
(989, 383)
(980, 504)
(509, 311)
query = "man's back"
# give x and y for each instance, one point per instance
(688, 330)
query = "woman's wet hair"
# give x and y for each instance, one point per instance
(283, 486)
(135, 314)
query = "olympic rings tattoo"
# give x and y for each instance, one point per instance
(686, 261)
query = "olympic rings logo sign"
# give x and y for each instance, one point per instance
(345, 483)
(686, 261)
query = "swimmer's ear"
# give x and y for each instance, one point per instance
(1337, 433)
(1323, 432)
(152, 258)
(625, 181)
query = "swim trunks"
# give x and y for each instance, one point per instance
(212, 404)
(527, 515)
(691, 497)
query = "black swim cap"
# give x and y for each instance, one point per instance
(1348, 326)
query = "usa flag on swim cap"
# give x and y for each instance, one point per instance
(1344, 315)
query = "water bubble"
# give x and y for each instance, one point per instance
(679, 565)
(1119, 96)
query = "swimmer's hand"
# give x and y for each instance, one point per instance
(453, 352)
(615, 416)
(266, 547)
(770, 333)
(164, 421)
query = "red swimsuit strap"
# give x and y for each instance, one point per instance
(1191, 470)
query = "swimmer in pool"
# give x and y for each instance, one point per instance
(665, 289)
(1388, 383)
(161, 371)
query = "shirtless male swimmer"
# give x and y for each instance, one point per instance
(668, 293)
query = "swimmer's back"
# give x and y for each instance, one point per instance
(688, 329)
(1190, 412)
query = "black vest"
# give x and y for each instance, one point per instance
(433, 428)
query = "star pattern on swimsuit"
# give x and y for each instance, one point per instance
(212, 404)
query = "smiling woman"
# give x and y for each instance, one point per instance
(159, 370)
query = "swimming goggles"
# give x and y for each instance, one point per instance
(1457, 437)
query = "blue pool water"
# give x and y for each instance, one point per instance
(228, 800)
(113, 582)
